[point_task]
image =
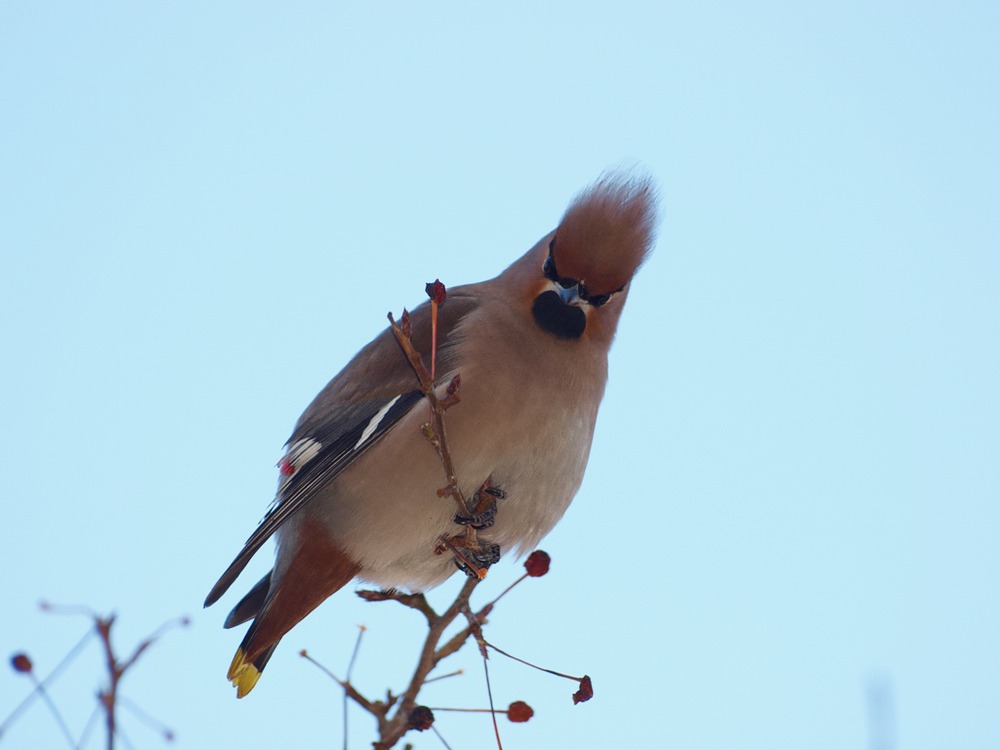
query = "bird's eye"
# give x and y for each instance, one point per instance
(595, 300)
(601, 299)
(549, 269)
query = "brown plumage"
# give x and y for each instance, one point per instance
(606, 233)
(358, 491)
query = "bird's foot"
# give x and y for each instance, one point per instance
(479, 521)
(484, 508)
(475, 562)
(472, 556)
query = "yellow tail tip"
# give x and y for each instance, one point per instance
(242, 674)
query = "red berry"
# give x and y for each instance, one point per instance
(519, 712)
(585, 693)
(537, 563)
(21, 663)
(421, 718)
(436, 291)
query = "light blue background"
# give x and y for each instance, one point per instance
(790, 515)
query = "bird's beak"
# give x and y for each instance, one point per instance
(570, 296)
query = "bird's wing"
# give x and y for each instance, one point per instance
(311, 462)
(348, 417)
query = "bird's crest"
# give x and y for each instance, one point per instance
(607, 232)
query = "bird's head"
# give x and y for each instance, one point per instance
(582, 270)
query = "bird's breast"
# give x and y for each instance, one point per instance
(532, 443)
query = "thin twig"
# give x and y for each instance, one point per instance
(456, 673)
(149, 720)
(503, 593)
(441, 737)
(413, 601)
(489, 692)
(91, 721)
(437, 434)
(55, 711)
(372, 707)
(529, 664)
(350, 669)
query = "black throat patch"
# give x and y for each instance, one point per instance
(558, 318)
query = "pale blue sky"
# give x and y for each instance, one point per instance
(206, 209)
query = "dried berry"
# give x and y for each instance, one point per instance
(421, 718)
(585, 693)
(519, 712)
(436, 291)
(21, 663)
(537, 563)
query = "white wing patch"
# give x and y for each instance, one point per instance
(374, 422)
(298, 454)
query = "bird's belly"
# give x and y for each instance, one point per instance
(384, 510)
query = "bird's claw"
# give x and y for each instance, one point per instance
(475, 562)
(484, 508)
(479, 521)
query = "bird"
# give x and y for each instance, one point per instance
(358, 486)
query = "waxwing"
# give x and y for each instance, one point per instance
(358, 484)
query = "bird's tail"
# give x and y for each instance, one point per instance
(276, 604)
(243, 671)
